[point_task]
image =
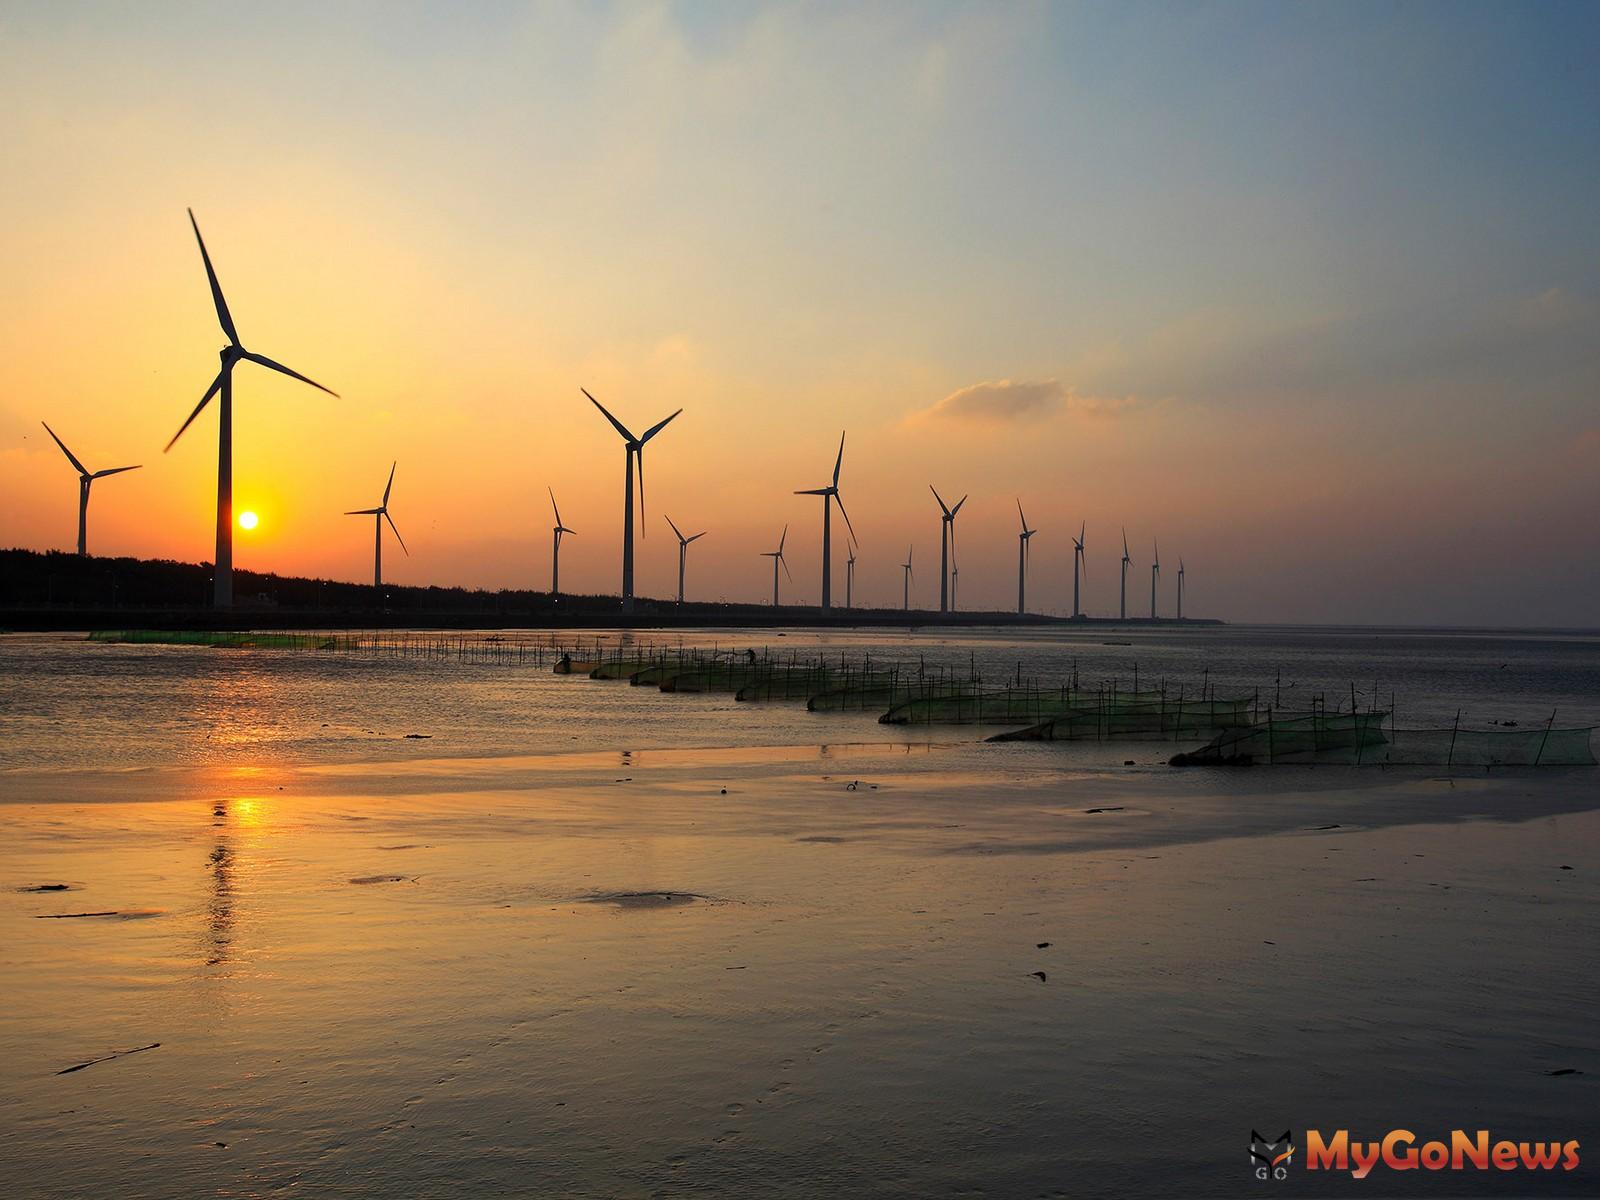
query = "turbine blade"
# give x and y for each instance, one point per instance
(390, 484)
(657, 428)
(838, 462)
(783, 539)
(223, 316)
(674, 527)
(71, 458)
(1124, 541)
(821, 491)
(696, 537)
(264, 361)
(616, 424)
(957, 509)
(113, 471)
(363, 512)
(943, 507)
(553, 507)
(840, 501)
(211, 391)
(785, 563)
(397, 536)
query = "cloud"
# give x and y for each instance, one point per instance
(1006, 400)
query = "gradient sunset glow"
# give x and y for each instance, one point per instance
(1312, 295)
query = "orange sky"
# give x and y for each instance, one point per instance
(1367, 397)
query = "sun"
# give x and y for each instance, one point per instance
(248, 520)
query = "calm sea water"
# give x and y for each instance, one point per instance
(66, 702)
(894, 962)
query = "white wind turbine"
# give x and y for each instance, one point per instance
(232, 354)
(85, 478)
(1155, 577)
(830, 496)
(1022, 561)
(1126, 562)
(849, 578)
(1078, 562)
(1180, 589)
(555, 552)
(907, 577)
(947, 534)
(379, 515)
(635, 451)
(683, 552)
(777, 557)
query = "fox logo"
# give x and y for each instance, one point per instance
(1272, 1159)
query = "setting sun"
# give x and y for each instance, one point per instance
(248, 520)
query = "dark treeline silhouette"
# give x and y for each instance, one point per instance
(54, 590)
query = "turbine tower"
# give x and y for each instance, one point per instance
(635, 450)
(1077, 558)
(777, 557)
(830, 496)
(1155, 577)
(849, 578)
(683, 553)
(1126, 563)
(85, 478)
(232, 354)
(1180, 589)
(379, 515)
(947, 533)
(555, 553)
(907, 577)
(1022, 561)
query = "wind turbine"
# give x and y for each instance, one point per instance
(777, 557)
(635, 449)
(1180, 589)
(947, 533)
(1077, 558)
(1155, 576)
(379, 515)
(85, 478)
(232, 354)
(683, 553)
(555, 553)
(1126, 563)
(849, 577)
(830, 496)
(907, 577)
(1022, 561)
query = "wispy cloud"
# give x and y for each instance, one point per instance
(1004, 401)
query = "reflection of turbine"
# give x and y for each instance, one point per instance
(947, 537)
(777, 557)
(830, 496)
(220, 901)
(634, 453)
(683, 553)
(1022, 561)
(222, 386)
(379, 515)
(555, 554)
(906, 579)
(85, 478)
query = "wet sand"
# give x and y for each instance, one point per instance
(877, 970)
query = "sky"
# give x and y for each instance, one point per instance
(1308, 295)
